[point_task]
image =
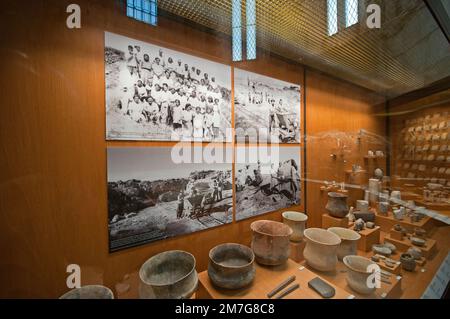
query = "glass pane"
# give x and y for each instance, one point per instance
(332, 17)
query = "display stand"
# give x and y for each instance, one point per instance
(266, 279)
(395, 234)
(387, 222)
(405, 244)
(297, 251)
(369, 237)
(330, 221)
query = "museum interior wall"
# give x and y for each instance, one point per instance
(53, 192)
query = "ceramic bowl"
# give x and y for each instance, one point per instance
(418, 241)
(358, 273)
(168, 275)
(89, 292)
(231, 266)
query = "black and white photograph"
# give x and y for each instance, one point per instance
(152, 198)
(157, 94)
(266, 109)
(266, 180)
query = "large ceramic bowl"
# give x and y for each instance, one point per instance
(321, 249)
(337, 205)
(231, 266)
(270, 242)
(297, 222)
(89, 292)
(358, 274)
(349, 241)
(168, 275)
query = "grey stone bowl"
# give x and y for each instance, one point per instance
(168, 275)
(231, 266)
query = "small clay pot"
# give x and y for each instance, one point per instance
(337, 205)
(231, 266)
(297, 222)
(270, 242)
(89, 292)
(321, 249)
(408, 262)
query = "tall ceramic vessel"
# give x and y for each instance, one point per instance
(297, 222)
(168, 275)
(270, 242)
(321, 249)
(349, 241)
(374, 191)
(337, 205)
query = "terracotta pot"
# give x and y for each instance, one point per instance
(349, 241)
(321, 249)
(231, 266)
(297, 222)
(168, 275)
(408, 262)
(89, 292)
(270, 242)
(358, 273)
(337, 205)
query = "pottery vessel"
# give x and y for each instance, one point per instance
(374, 190)
(408, 262)
(415, 252)
(297, 222)
(89, 292)
(270, 242)
(358, 273)
(420, 232)
(349, 241)
(418, 241)
(231, 266)
(168, 275)
(337, 205)
(321, 249)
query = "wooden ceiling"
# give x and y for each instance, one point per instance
(407, 53)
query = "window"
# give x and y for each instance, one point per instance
(143, 10)
(251, 29)
(332, 17)
(236, 22)
(351, 12)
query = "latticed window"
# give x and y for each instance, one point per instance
(332, 17)
(143, 10)
(236, 22)
(251, 29)
(351, 12)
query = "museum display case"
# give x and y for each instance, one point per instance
(225, 149)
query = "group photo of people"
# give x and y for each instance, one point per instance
(153, 93)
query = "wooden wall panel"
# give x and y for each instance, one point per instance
(53, 199)
(335, 112)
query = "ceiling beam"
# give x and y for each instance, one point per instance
(439, 14)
